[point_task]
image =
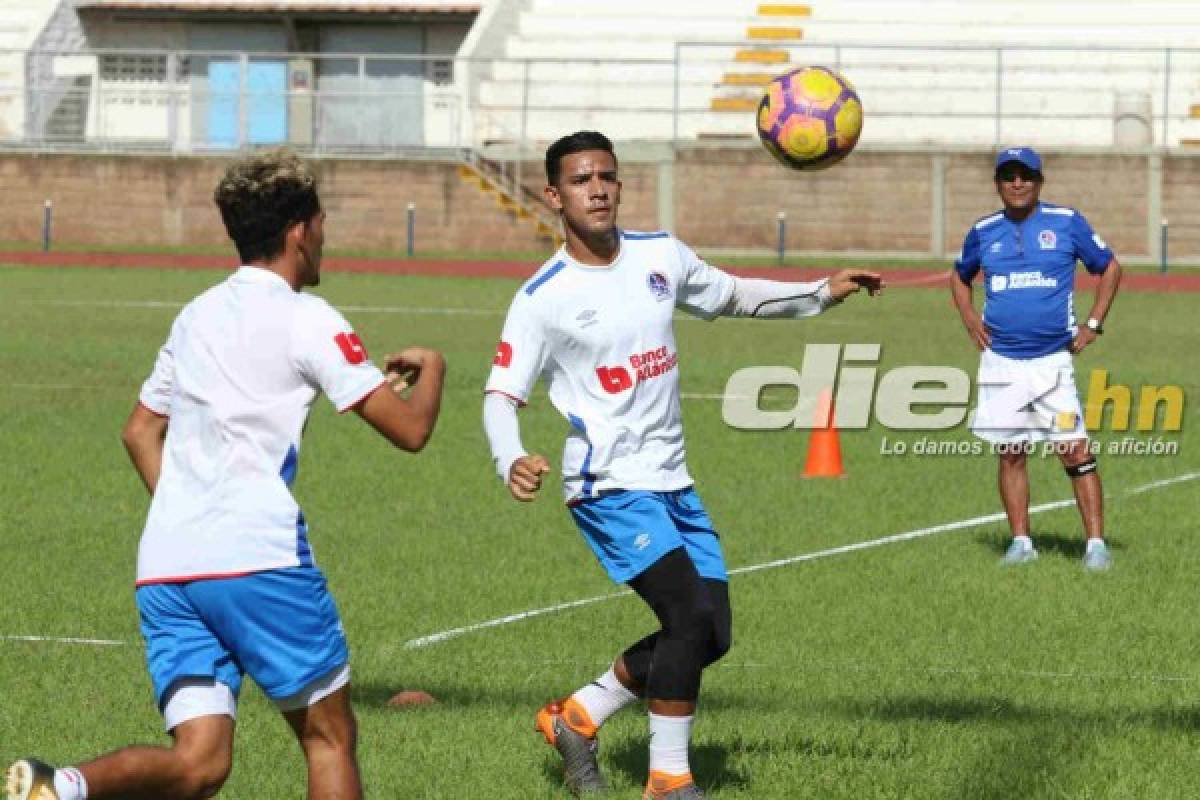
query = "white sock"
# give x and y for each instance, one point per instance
(1025, 542)
(669, 737)
(604, 697)
(69, 784)
(1094, 542)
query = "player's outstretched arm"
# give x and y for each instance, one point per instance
(765, 299)
(143, 436)
(407, 421)
(849, 281)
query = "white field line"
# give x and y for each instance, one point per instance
(453, 633)
(62, 640)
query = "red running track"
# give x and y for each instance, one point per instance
(911, 278)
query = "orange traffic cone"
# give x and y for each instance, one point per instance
(824, 446)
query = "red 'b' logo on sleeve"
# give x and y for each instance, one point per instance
(504, 353)
(352, 347)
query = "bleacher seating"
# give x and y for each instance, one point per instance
(928, 71)
(21, 22)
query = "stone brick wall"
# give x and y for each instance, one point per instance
(874, 201)
(1181, 205)
(115, 201)
(1110, 190)
(723, 198)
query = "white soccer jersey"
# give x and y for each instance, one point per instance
(242, 366)
(602, 337)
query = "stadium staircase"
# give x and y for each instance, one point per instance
(754, 66)
(502, 181)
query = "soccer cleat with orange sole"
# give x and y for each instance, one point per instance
(662, 786)
(29, 779)
(581, 772)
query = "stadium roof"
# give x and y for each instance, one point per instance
(289, 6)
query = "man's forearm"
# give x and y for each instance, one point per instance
(777, 300)
(503, 431)
(1106, 291)
(145, 451)
(144, 435)
(426, 396)
(962, 295)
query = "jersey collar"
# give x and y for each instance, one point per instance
(251, 274)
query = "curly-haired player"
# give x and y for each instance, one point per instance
(227, 583)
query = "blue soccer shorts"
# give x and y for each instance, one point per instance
(630, 530)
(280, 627)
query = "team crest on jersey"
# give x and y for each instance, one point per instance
(659, 286)
(1047, 240)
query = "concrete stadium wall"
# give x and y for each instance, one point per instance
(117, 201)
(716, 198)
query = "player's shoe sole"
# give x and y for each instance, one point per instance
(581, 772)
(686, 792)
(29, 779)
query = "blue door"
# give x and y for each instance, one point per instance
(224, 90)
(265, 101)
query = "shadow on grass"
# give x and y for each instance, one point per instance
(709, 762)
(524, 700)
(1047, 543)
(1066, 720)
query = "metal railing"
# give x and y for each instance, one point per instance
(174, 101)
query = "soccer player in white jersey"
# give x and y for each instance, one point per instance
(595, 322)
(1028, 334)
(226, 579)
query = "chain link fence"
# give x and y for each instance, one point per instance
(195, 102)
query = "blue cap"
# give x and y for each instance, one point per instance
(1022, 155)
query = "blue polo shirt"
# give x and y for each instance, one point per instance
(1029, 276)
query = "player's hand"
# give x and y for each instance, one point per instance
(403, 369)
(1082, 339)
(978, 332)
(848, 281)
(525, 476)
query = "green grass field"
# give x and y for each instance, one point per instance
(918, 669)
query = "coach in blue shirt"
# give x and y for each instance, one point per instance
(1027, 334)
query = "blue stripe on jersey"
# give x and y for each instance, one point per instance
(536, 283)
(639, 236)
(589, 479)
(303, 550)
(291, 464)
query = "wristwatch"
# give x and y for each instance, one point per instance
(1094, 326)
